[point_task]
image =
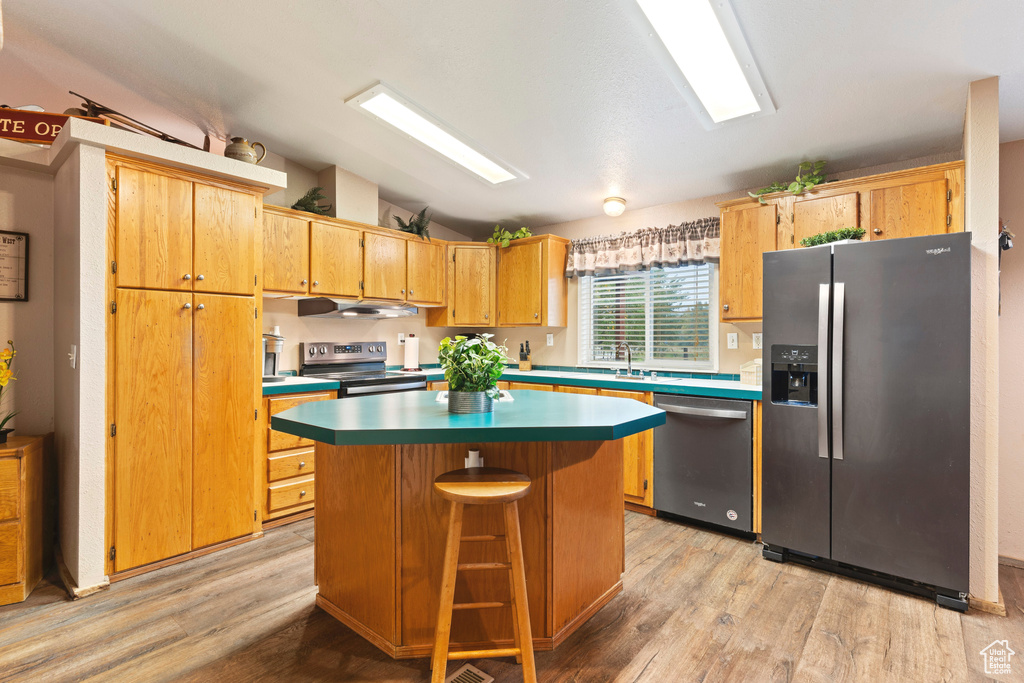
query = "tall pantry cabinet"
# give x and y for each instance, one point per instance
(183, 385)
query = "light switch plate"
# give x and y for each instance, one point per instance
(733, 340)
(757, 340)
(551, 339)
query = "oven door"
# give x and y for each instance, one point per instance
(385, 388)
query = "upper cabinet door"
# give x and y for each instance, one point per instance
(909, 210)
(225, 241)
(425, 264)
(285, 253)
(520, 283)
(154, 230)
(471, 290)
(746, 234)
(814, 216)
(335, 260)
(223, 426)
(384, 273)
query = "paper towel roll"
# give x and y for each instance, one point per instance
(412, 353)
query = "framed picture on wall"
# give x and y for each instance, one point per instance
(13, 266)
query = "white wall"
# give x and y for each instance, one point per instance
(386, 213)
(300, 180)
(1011, 367)
(352, 197)
(981, 207)
(26, 205)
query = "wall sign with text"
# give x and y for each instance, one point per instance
(13, 266)
(35, 126)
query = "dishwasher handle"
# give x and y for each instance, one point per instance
(703, 412)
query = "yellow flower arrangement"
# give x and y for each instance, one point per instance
(6, 376)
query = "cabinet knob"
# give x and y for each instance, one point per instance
(403, 291)
(536, 315)
(877, 231)
(485, 316)
(316, 283)
(200, 277)
(305, 282)
(187, 306)
(725, 307)
(302, 464)
(411, 292)
(186, 277)
(201, 306)
(301, 494)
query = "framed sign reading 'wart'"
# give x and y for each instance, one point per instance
(13, 266)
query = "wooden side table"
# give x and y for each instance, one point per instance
(22, 512)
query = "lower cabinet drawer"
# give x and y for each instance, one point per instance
(10, 488)
(10, 553)
(287, 465)
(289, 494)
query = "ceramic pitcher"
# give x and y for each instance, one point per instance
(241, 149)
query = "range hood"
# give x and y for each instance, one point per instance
(355, 310)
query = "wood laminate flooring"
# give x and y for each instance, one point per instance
(697, 606)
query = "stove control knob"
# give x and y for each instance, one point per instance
(323, 350)
(312, 350)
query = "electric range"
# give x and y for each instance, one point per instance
(360, 368)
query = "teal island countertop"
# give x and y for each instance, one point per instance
(416, 417)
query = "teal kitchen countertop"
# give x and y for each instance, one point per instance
(295, 385)
(416, 417)
(713, 388)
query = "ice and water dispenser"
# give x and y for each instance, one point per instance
(795, 374)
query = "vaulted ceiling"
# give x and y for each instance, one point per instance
(568, 91)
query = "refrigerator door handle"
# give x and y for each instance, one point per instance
(839, 314)
(823, 295)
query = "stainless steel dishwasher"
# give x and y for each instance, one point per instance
(703, 460)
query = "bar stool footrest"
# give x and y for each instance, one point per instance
(483, 654)
(479, 605)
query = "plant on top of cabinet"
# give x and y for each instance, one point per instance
(808, 175)
(502, 237)
(310, 202)
(416, 225)
(833, 236)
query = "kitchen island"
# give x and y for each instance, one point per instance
(380, 529)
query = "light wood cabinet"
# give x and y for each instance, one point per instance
(909, 203)
(285, 252)
(384, 267)
(24, 529)
(746, 234)
(588, 391)
(637, 455)
(530, 386)
(152, 483)
(908, 210)
(223, 421)
(425, 273)
(532, 288)
(154, 230)
(823, 214)
(471, 270)
(287, 462)
(335, 260)
(173, 233)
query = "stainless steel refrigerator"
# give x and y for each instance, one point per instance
(866, 424)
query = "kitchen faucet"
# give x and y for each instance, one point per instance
(629, 356)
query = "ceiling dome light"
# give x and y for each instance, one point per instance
(614, 206)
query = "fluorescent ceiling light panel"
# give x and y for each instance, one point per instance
(390, 107)
(708, 48)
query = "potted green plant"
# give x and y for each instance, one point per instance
(502, 237)
(471, 368)
(418, 224)
(833, 236)
(6, 375)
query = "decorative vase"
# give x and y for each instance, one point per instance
(241, 150)
(3, 434)
(465, 402)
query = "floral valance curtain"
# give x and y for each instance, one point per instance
(677, 245)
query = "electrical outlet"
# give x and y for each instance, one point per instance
(757, 340)
(401, 338)
(551, 340)
(734, 340)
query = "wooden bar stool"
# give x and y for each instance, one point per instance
(483, 486)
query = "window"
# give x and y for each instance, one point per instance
(668, 316)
